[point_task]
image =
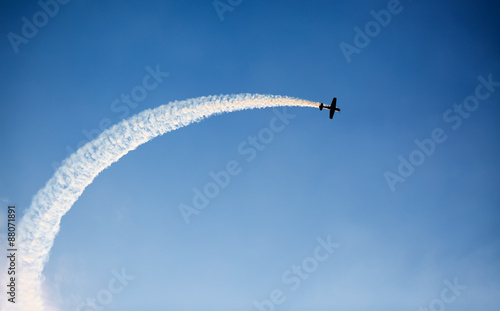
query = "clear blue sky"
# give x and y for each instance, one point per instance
(318, 178)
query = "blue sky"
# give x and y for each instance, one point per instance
(316, 179)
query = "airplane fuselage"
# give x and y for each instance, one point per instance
(332, 107)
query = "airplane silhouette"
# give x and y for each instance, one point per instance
(332, 107)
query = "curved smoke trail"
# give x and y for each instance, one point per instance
(40, 224)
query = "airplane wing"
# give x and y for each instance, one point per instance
(332, 111)
(334, 103)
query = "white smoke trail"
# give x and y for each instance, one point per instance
(40, 224)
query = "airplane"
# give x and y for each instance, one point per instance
(332, 107)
